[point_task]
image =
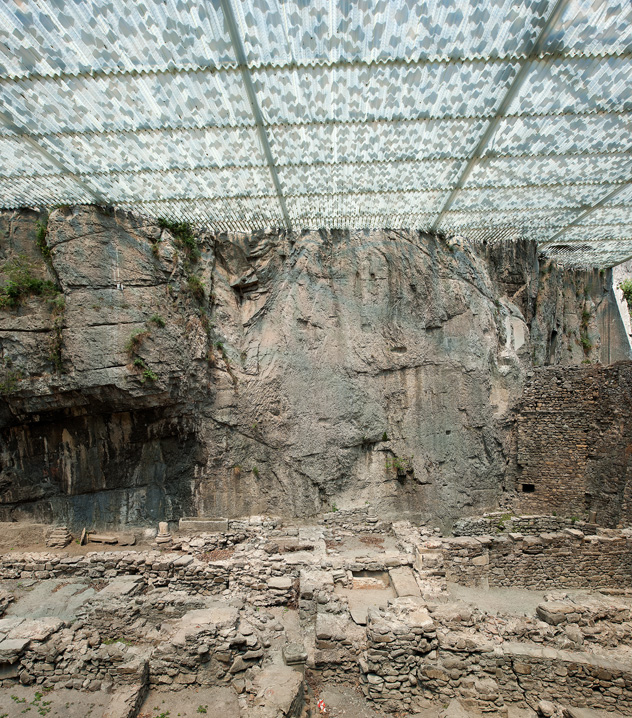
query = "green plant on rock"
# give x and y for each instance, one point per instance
(183, 235)
(149, 375)
(21, 283)
(157, 320)
(135, 341)
(500, 524)
(384, 436)
(401, 464)
(626, 288)
(195, 286)
(255, 471)
(41, 230)
(139, 363)
(584, 338)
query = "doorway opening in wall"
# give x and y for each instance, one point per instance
(528, 488)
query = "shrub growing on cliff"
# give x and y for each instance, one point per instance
(401, 464)
(40, 237)
(134, 342)
(22, 283)
(196, 287)
(9, 380)
(149, 375)
(626, 288)
(157, 320)
(183, 234)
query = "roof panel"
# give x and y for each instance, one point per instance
(369, 177)
(576, 85)
(381, 92)
(19, 157)
(115, 103)
(158, 149)
(49, 190)
(520, 221)
(605, 253)
(51, 38)
(194, 184)
(374, 141)
(226, 214)
(565, 169)
(281, 32)
(563, 134)
(540, 198)
(397, 209)
(593, 27)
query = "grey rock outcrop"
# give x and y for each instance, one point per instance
(282, 374)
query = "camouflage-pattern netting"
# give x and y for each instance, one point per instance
(489, 119)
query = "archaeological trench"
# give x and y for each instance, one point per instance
(336, 473)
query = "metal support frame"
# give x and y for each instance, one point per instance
(580, 217)
(520, 77)
(242, 63)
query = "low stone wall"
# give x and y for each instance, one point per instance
(361, 519)
(180, 572)
(408, 656)
(499, 522)
(397, 640)
(569, 559)
(213, 646)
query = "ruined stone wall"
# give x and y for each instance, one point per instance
(408, 655)
(573, 443)
(568, 559)
(508, 523)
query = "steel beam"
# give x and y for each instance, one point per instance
(240, 53)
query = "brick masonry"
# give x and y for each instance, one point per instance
(572, 443)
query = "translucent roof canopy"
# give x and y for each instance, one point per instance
(493, 119)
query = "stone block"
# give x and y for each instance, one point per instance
(201, 525)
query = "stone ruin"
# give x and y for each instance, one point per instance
(334, 411)
(269, 618)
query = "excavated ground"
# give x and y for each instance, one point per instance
(265, 619)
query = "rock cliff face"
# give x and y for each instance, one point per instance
(285, 374)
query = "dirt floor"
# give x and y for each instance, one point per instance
(515, 601)
(21, 701)
(219, 702)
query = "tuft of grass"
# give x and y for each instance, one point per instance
(157, 320)
(255, 471)
(401, 464)
(384, 436)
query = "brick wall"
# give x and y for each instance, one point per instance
(572, 443)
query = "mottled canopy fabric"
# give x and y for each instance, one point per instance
(493, 119)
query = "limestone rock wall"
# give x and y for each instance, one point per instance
(274, 373)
